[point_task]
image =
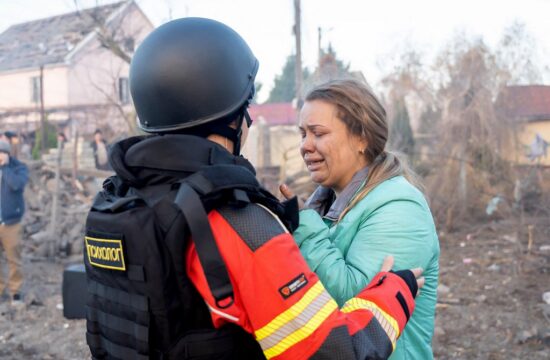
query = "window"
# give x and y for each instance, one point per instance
(35, 89)
(129, 44)
(123, 90)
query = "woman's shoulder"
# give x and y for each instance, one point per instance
(392, 191)
(398, 204)
(395, 188)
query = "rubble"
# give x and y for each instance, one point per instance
(44, 239)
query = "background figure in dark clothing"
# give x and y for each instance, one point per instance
(13, 178)
(13, 139)
(99, 145)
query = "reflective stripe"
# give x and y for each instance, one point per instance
(293, 325)
(222, 314)
(387, 322)
(296, 323)
(291, 312)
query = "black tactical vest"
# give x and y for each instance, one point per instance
(141, 303)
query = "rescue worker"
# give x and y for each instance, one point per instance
(192, 80)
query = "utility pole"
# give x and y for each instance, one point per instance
(298, 34)
(319, 35)
(42, 113)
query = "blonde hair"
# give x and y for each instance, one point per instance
(365, 117)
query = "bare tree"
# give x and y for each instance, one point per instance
(470, 137)
(517, 53)
(115, 38)
(470, 150)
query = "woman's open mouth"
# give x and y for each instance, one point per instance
(314, 165)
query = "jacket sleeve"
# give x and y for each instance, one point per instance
(397, 228)
(283, 303)
(16, 175)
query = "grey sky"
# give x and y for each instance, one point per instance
(365, 33)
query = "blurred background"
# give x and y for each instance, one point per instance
(466, 86)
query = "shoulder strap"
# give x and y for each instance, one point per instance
(240, 186)
(190, 200)
(190, 204)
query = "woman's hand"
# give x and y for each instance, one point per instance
(417, 272)
(289, 194)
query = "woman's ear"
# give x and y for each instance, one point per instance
(363, 144)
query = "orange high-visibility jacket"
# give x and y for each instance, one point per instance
(279, 300)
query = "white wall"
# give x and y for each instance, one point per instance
(16, 89)
(94, 70)
(89, 76)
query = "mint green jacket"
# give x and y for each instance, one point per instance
(393, 219)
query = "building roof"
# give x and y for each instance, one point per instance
(274, 113)
(525, 103)
(49, 40)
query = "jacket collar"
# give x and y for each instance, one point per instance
(152, 159)
(327, 204)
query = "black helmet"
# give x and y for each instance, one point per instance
(190, 72)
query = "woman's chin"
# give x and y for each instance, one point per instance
(316, 178)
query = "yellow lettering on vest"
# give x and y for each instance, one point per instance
(104, 253)
(112, 257)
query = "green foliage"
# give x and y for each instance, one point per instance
(51, 140)
(328, 68)
(401, 136)
(258, 87)
(284, 88)
(328, 57)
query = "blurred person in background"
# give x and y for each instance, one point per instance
(13, 139)
(13, 178)
(101, 153)
(368, 205)
(61, 139)
(25, 149)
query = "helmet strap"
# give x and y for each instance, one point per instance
(237, 138)
(247, 118)
(239, 132)
(222, 128)
(230, 133)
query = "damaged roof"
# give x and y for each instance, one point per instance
(525, 102)
(49, 40)
(274, 113)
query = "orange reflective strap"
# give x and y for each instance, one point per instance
(388, 323)
(297, 322)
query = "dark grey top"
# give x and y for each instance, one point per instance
(323, 197)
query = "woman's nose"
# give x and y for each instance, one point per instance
(306, 145)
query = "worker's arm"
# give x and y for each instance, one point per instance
(283, 303)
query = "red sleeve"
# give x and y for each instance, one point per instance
(283, 303)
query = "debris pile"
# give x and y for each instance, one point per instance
(57, 203)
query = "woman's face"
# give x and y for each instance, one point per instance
(331, 154)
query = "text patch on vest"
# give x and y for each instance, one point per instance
(105, 253)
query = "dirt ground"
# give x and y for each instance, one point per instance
(490, 303)
(490, 300)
